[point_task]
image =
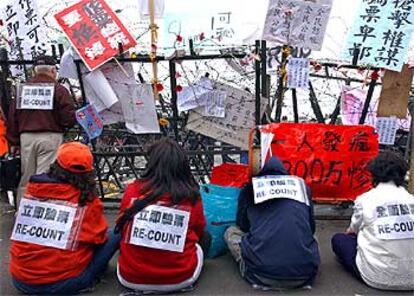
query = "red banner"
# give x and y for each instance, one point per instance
(331, 158)
(230, 174)
(95, 31)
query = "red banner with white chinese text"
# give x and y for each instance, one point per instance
(331, 158)
(95, 31)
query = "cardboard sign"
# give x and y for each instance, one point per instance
(386, 128)
(95, 31)
(161, 228)
(331, 159)
(37, 96)
(274, 187)
(297, 23)
(46, 223)
(381, 33)
(394, 221)
(90, 121)
(395, 91)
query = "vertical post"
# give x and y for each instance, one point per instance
(263, 69)
(153, 54)
(173, 85)
(411, 144)
(295, 105)
(257, 88)
(5, 91)
(191, 45)
(280, 87)
(61, 49)
(315, 105)
(371, 88)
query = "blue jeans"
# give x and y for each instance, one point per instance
(96, 268)
(345, 248)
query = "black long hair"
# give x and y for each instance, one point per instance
(86, 182)
(388, 166)
(167, 172)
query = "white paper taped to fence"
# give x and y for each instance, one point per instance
(394, 221)
(273, 187)
(45, 223)
(105, 96)
(215, 103)
(239, 117)
(138, 107)
(192, 97)
(297, 23)
(386, 128)
(37, 96)
(160, 227)
(298, 73)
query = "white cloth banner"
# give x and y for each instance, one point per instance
(45, 223)
(386, 128)
(37, 96)
(273, 187)
(24, 30)
(160, 227)
(394, 221)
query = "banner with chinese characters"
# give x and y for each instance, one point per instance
(90, 121)
(95, 31)
(27, 38)
(381, 33)
(330, 158)
(297, 22)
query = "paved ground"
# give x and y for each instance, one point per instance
(220, 276)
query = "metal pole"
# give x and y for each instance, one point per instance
(173, 85)
(257, 92)
(315, 105)
(5, 91)
(295, 105)
(369, 97)
(280, 88)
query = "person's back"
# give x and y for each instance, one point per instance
(280, 243)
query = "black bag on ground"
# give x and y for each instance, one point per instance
(10, 173)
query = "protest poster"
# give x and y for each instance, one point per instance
(298, 73)
(191, 96)
(298, 23)
(215, 103)
(239, 117)
(47, 224)
(381, 34)
(386, 128)
(26, 35)
(95, 31)
(160, 227)
(395, 91)
(353, 99)
(90, 121)
(330, 158)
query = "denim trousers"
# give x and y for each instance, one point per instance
(86, 280)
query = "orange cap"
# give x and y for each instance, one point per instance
(75, 157)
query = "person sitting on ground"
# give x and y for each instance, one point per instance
(273, 242)
(60, 241)
(163, 225)
(378, 246)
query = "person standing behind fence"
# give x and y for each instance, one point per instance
(35, 129)
(162, 223)
(60, 241)
(378, 246)
(273, 242)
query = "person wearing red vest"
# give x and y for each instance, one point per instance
(162, 223)
(60, 240)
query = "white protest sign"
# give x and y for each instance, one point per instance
(45, 223)
(105, 96)
(297, 23)
(160, 227)
(37, 96)
(26, 36)
(191, 96)
(273, 187)
(298, 73)
(386, 128)
(394, 221)
(215, 103)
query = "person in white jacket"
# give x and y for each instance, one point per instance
(378, 246)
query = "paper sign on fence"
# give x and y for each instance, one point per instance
(386, 128)
(88, 117)
(298, 73)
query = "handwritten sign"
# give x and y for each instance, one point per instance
(239, 117)
(37, 96)
(331, 159)
(26, 35)
(274, 187)
(46, 223)
(387, 129)
(381, 33)
(95, 31)
(191, 96)
(215, 103)
(394, 221)
(90, 121)
(160, 227)
(298, 73)
(297, 23)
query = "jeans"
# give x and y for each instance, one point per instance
(86, 280)
(345, 248)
